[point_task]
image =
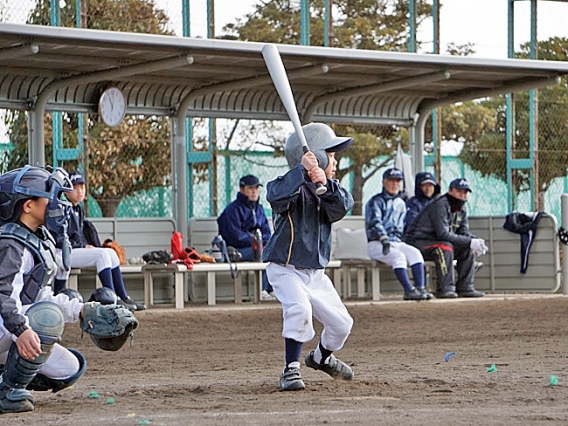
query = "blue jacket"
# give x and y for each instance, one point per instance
(384, 215)
(419, 201)
(75, 227)
(302, 220)
(240, 219)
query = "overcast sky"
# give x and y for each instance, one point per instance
(482, 22)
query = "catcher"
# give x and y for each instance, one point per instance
(32, 319)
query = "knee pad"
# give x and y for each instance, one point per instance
(43, 383)
(46, 319)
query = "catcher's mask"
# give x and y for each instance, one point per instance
(19, 185)
(321, 139)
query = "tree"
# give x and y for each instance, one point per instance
(357, 24)
(485, 148)
(122, 160)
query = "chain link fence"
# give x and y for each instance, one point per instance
(490, 196)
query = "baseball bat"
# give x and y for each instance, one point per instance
(280, 79)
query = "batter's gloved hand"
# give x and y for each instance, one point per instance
(386, 244)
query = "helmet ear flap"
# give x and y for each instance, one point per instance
(6, 210)
(323, 159)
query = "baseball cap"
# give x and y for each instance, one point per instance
(249, 180)
(76, 177)
(460, 183)
(429, 178)
(393, 174)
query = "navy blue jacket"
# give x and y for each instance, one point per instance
(417, 203)
(240, 219)
(75, 227)
(437, 222)
(302, 220)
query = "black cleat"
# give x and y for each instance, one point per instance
(425, 293)
(290, 379)
(334, 367)
(414, 294)
(447, 295)
(471, 293)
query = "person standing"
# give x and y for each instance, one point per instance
(299, 251)
(244, 226)
(441, 233)
(384, 223)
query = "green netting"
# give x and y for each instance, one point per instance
(489, 195)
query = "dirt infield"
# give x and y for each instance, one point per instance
(220, 366)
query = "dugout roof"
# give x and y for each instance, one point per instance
(66, 69)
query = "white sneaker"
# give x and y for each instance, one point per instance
(267, 297)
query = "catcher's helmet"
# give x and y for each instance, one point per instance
(321, 139)
(19, 185)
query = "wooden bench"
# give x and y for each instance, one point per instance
(136, 235)
(501, 266)
(201, 232)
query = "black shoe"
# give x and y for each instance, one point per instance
(290, 379)
(425, 293)
(128, 303)
(471, 293)
(447, 295)
(15, 400)
(334, 367)
(414, 294)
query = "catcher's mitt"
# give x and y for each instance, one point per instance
(157, 257)
(108, 325)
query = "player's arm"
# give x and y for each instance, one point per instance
(284, 190)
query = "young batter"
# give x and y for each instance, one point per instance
(299, 251)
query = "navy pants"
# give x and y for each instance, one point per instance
(443, 254)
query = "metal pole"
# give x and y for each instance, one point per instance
(564, 213)
(327, 23)
(412, 26)
(304, 23)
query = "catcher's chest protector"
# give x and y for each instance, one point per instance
(43, 251)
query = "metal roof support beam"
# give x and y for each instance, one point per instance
(467, 95)
(18, 52)
(36, 153)
(249, 83)
(401, 83)
(180, 148)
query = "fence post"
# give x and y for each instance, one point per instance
(564, 210)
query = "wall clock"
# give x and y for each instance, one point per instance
(112, 106)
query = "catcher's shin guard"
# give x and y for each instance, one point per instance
(46, 319)
(44, 383)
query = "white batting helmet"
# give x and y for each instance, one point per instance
(321, 139)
